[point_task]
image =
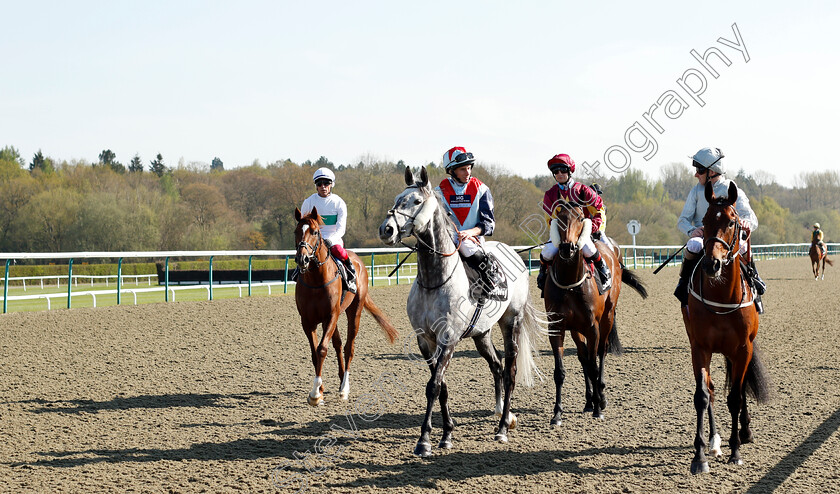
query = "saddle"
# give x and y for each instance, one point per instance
(500, 282)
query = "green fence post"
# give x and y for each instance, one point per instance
(69, 281)
(372, 268)
(398, 269)
(119, 279)
(286, 276)
(166, 281)
(6, 287)
(249, 274)
(211, 277)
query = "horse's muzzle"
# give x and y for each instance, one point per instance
(566, 250)
(387, 233)
(712, 266)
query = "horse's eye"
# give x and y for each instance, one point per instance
(731, 223)
(417, 201)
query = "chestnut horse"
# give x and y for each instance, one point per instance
(721, 317)
(574, 304)
(320, 300)
(818, 259)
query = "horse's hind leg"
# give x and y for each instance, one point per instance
(556, 342)
(735, 400)
(485, 347)
(354, 316)
(510, 330)
(714, 437)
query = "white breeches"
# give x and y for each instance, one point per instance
(469, 246)
(588, 249)
(695, 244)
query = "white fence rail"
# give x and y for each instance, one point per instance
(635, 257)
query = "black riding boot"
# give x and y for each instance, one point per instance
(351, 275)
(689, 262)
(542, 275)
(759, 284)
(481, 264)
(603, 271)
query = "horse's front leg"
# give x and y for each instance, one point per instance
(700, 362)
(319, 355)
(556, 342)
(714, 437)
(435, 388)
(737, 396)
(316, 396)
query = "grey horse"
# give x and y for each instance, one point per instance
(441, 307)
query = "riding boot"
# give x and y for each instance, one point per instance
(759, 284)
(690, 260)
(351, 275)
(481, 264)
(603, 271)
(542, 275)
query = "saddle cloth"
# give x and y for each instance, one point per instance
(500, 284)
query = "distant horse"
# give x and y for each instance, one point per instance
(320, 300)
(440, 307)
(721, 318)
(574, 304)
(818, 260)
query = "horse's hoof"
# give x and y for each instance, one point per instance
(423, 449)
(598, 416)
(445, 444)
(699, 467)
(714, 448)
(735, 460)
(315, 401)
(556, 421)
(588, 409)
(345, 396)
(502, 438)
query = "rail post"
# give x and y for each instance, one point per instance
(210, 289)
(166, 281)
(119, 279)
(249, 274)
(372, 269)
(6, 287)
(285, 276)
(69, 281)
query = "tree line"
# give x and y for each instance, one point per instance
(50, 205)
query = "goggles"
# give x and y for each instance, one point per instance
(460, 158)
(322, 182)
(560, 168)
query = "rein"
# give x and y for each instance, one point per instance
(305, 268)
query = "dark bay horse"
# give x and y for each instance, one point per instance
(441, 308)
(818, 260)
(721, 318)
(575, 305)
(320, 300)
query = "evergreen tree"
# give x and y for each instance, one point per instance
(217, 164)
(39, 162)
(158, 168)
(136, 166)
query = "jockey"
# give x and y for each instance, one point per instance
(470, 206)
(817, 238)
(333, 211)
(709, 167)
(566, 190)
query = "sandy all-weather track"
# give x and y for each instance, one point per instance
(211, 396)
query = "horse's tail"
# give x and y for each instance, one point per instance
(829, 261)
(532, 330)
(383, 321)
(757, 381)
(614, 346)
(629, 278)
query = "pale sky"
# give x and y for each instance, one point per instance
(514, 83)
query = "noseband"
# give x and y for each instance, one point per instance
(313, 253)
(394, 211)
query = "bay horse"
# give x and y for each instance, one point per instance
(721, 317)
(574, 304)
(442, 312)
(320, 300)
(818, 260)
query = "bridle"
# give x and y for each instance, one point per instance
(574, 245)
(730, 246)
(403, 233)
(304, 260)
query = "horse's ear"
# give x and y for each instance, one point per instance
(297, 214)
(409, 177)
(710, 195)
(424, 177)
(733, 193)
(314, 213)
